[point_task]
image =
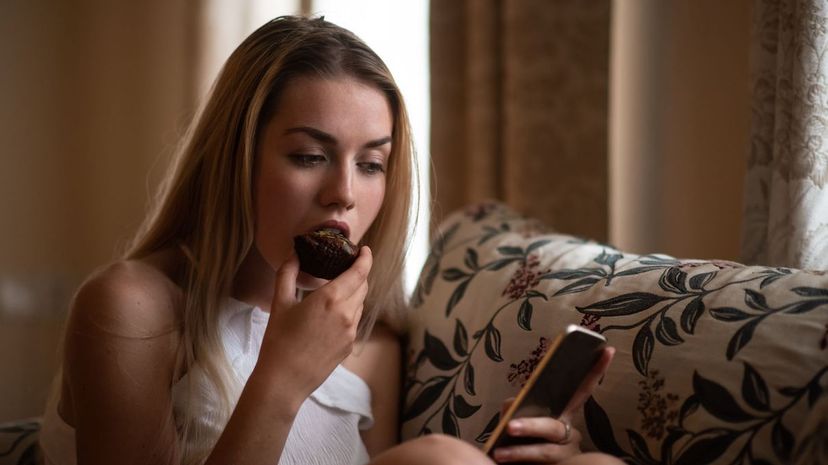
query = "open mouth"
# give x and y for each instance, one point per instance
(337, 227)
(332, 230)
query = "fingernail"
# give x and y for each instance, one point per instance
(515, 426)
(501, 454)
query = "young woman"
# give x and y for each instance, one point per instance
(205, 343)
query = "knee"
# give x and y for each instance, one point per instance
(593, 458)
(448, 450)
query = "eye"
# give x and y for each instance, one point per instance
(370, 167)
(307, 160)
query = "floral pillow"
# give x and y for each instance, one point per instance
(716, 362)
(18, 442)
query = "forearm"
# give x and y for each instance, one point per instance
(289, 369)
(260, 423)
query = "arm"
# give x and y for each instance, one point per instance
(378, 362)
(120, 361)
(121, 342)
(288, 368)
(121, 352)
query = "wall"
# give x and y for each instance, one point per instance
(94, 96)
(680, 114)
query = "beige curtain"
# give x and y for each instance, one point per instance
(520, 106)
(94, 95)
(786, 188)
(221, 25)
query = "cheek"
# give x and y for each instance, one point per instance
(380, 199)
(278, 210)
(374, 200)
(280, 193)
(273, 194)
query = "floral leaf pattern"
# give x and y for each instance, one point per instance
(691, 381)
(717, 400)
(18, 442)
(461, 339)
(438, 353)
(755, 390)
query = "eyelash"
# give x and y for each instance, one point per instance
(307, 160)
(310, 161)
(371, 168)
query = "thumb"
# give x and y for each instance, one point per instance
(285, 285)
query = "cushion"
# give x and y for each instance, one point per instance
(18, 442)
(716, 362)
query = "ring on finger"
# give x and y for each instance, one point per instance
(567, 432)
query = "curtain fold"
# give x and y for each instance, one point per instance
(520, 107)
(786, 191)
(94, 94)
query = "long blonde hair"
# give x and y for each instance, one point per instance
(207, 197)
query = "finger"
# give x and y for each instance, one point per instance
(285, 287)
(357, 301)
(362, 292)
(350, 280)
(357, 297)
(540, 452)
(591, 381)
(548, 428)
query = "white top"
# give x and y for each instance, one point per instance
(325, 430)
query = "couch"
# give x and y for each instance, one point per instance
(716, 362)
(18, 442)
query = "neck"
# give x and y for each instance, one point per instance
(254, 282)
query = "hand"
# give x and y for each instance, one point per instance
(305, 340)
(563, 440)
(559, 441)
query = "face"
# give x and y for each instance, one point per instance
(320, 162)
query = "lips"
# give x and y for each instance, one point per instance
(339, 226)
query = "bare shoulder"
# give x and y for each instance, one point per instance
(377, 361)
(380, 349)
(382, 342)
(120, 361)
(382, 335)
(124, 321)
(130, 298)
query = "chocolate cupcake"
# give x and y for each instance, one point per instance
(325, 253)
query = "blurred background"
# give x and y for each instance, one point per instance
(643, 108)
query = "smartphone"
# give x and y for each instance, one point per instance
(552, 384)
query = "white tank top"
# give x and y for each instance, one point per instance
(325, 430)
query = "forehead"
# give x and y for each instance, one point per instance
(331, 102)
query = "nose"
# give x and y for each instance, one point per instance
(337, 190)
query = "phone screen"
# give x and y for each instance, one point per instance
(553, 383)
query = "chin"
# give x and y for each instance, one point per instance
(306, 282)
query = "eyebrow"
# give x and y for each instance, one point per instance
(326, 138)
